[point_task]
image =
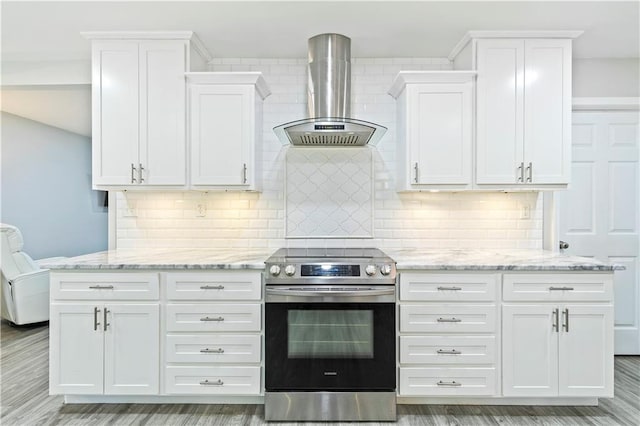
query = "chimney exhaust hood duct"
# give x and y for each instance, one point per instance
(329, 100)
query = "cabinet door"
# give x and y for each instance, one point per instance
(440, 133)
(115, 112)
(529, 350)
(76, 349)
(162, 112)
(586, 351)
(222, 123)
(132, 349)
(500, 106)
(547, 109)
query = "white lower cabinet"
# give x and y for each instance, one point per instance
(104, 348)
(223, 380)
(448, 327)
(558, 350)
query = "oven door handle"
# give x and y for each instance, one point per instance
(320, 293)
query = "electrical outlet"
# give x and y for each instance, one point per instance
(130, 212)
(201, 210)
(525, 211)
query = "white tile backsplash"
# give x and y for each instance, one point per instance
(257, 220)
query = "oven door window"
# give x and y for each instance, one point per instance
(330, 333)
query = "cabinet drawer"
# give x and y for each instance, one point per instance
(213, 317)
(213, 380)
(558, 287)
(448, 287)
(447, 349)
(213, 348)
(240, 285)
(104, 286)
(428, 318)
(447, 381)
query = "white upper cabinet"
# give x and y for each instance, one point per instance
(435, 129)
(139, 108)
(225, 129)
(523, 111)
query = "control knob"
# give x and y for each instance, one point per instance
(289, 270)
(370, 270)
(385, 269)
(274, 270)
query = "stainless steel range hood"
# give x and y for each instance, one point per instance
(329, 100)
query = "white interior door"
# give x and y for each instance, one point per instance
(598, 214)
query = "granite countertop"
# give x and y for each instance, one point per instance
(424, 259)
(495, 260)
(196, 258)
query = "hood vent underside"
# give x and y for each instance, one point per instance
(336, 131)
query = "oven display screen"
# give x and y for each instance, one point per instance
(328, 270)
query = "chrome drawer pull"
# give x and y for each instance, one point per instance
(212, 351)
(101, 287)
(212, 287)
(208, 383)
(560, 288)
(451, 352)
(452, 383)
(450, 288)
(212, 319)
(449, 320)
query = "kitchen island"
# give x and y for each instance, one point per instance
(186, 325)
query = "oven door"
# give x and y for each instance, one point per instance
(337, 345)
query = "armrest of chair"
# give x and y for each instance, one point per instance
(33, 276)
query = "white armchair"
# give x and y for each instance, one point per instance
(25, 287)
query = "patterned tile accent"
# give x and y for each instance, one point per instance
(329, 193)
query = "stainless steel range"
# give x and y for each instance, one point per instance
(330, 349)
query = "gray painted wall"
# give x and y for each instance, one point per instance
(606, 77)
(46, 189)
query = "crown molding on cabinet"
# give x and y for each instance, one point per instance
(406, 77)
(510, 34)
(152, 35)
(606, 104)
(233, 77)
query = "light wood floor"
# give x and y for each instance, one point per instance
(25, 399)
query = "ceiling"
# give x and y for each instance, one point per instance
(50, 30)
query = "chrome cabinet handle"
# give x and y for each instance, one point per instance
(415, 168)
(521, 172)
(133, 170)
(565, 314)
(208, 383)
(452, 383)
(554, 324)
(244, 173)
(106, 324)
(530, 174)
(212, 287)
(101, 287)
(140, 169)
(450, 288)
(205, 319)
(212, 351)
(449, 352)
(95, 318)
(449, 320)
(560, 288)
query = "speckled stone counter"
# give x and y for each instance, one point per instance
(197, 258)
(495, 260)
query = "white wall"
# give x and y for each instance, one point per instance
(46, 189)
(606, 77)
(240, 219)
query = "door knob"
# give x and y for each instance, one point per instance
(564, 245)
